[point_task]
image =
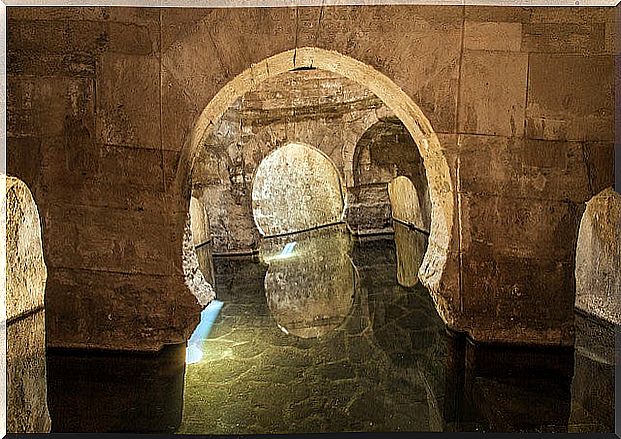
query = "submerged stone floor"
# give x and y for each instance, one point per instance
(322, 332)
(315, 341)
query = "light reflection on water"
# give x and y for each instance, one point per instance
(318, 335)
(377, 359)
(309, 291)
(194, 352)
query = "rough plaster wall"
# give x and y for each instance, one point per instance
(296, 188)
(598, 257)
(101, 101)
(26, 274)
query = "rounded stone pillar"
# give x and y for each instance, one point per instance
(26, 391)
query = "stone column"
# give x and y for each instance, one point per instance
(27, 410)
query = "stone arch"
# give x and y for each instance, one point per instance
(307, 195)
(397, 100)
(598, 257)
(384, 151)
(23, 311)
(352, 139)
(406, 202)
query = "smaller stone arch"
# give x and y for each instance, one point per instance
(598, 257)
(296, 187)
(23, 312)
(406, 203)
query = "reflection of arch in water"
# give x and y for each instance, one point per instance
(310, 280)
(295, 188)
(410, 248)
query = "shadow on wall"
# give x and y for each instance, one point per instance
(26, 273)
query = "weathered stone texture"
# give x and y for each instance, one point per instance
(570, 97)
(305, 176)
(27, 409)
(25, 322)
(103, 104)
(598, 258)
(493, 93)
(25, 270)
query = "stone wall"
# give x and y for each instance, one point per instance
(26, 404)
(103, 106)
(598, 258)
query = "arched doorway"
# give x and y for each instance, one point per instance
(307, 319)
(440, 185)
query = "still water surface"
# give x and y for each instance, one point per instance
(325, 333)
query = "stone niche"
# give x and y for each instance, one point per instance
(26, 273)
(598, 258)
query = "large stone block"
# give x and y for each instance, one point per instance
(492, 36)
(107, 310)
(581, 15)
(122, 241)
(546, 170)
(493, 93)
(519, 227)
(517, 299)
(598, 258)
(78, 30)
(128, 100)
(106, 175)
(508, 14)
(570, 97)
(50, 106)
(564, 38)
